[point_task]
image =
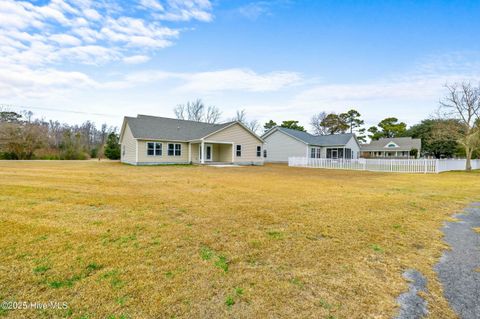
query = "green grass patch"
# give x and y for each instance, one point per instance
(229, 301)
(377, 248)
(222, 263)
(275, 234)
(113, 277)
(69, 282)
(206, 253)
(41, 269)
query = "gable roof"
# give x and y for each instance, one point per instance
(403, 143)
(163, 128)
(319, 140)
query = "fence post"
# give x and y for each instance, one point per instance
(437, 166)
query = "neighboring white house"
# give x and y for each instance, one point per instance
(151, 140)
(395, 147)
(282, 143)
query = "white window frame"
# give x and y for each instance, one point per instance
(315, 152)
(259, 151)
(174, 149)
(155, 148)
(237, 150)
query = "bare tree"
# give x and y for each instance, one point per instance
(241, 116)
(196, 111)
(180, 112)
(463, 103)
(317, 121)
(212, 115)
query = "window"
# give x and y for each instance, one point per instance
(174, 149)
(348, 153)
(239, 150)
(259, 151)
(265, 153)
(315, 152)
(158, 149)
(150, 148)
(154, 149)
(337, 153)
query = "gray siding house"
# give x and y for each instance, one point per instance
(152, 140)
(282, 143)
(396, 147)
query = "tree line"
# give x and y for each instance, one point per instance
(25, 138)
(454, 132)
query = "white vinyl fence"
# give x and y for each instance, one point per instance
(385, 165)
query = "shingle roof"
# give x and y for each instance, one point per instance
(404, 144)
(320, 140)
(153, 127)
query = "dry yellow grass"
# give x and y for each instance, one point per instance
(165, 242)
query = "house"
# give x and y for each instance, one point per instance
(397, 147)
(150, 140)
(282, 143)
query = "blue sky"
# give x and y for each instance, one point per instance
(277, 60)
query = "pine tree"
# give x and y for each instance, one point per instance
(112, 148)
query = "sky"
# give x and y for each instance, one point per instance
(281, 59)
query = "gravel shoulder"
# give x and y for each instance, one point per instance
(459, 267)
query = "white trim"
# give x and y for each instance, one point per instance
(202, 149)
(154, 148)
(218, 142)
(233, 123)
(241, 150)
(189, 152)
(390, 143)
(279, 130)
(261, 151)
(174, 149)
(136, 151)
(160, 139)
(211, 152)
(122, 130)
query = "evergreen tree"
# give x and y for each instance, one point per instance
(269, 125)
(112, 148)
(292, 125)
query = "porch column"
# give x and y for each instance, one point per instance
(189, 153)
(203, 152)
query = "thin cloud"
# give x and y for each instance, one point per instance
(215, 81)
(136, 59)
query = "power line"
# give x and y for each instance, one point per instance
(54, 110)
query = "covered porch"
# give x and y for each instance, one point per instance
(210, 152)
(387, 154)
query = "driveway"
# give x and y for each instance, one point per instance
(459, 268)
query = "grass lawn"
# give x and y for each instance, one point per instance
(118, 241)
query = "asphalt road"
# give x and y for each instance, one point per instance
(459, 268)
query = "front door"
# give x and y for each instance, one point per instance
(208, 152)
